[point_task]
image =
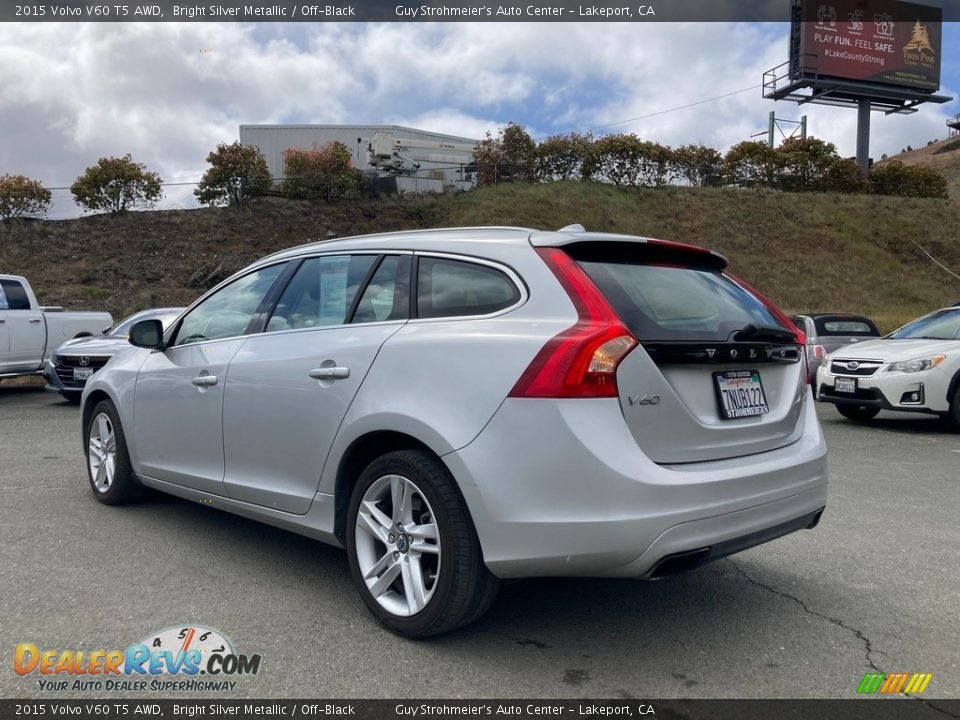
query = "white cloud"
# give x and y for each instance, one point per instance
(167, 93)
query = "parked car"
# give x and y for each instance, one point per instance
(74, 362)
(29, 332)
(827, 332)
(915, 368)
(460, 406)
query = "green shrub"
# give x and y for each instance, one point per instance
(115, 185)
(236, 174)
(22, 197)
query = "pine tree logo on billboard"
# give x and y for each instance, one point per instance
(918, 52)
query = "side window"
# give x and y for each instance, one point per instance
(453, 288)
(321, 292)
(386, 296)
(13, 296)
(227, 312)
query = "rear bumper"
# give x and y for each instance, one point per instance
(561, 488)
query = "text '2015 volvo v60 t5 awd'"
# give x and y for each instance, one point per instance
(460, 406)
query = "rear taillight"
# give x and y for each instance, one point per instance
(819, 352)
(582, 361)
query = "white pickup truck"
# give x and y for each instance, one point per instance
(29, 333)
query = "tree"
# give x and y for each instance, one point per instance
(511, 156)
(895, 178)
(805, 163)
(699, 165)
(562, 157)
(843, 175)
(323, 172)
(752, 163)
(616, 159)
(237, 172)
(22, 197)
(115, 185)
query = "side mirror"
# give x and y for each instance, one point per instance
(106, 330)
(147, 334)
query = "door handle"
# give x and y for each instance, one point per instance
(2, 321)
(330, 373)
(34, 320)
(205, 380)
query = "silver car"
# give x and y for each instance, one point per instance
(459, 406)
(70, 366)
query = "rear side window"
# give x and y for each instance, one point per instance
(454, 288)
(13, 296)
(845, 326)
(669, 303)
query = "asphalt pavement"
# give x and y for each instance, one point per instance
(874, 588)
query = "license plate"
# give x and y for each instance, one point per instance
(740, 393)
(845, 385)
(82, 374)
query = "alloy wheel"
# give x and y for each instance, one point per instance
(398, 545)
(102, 452)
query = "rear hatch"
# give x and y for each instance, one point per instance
(718, 372)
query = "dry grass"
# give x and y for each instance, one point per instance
(807, 251)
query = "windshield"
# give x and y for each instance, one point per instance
(940, 325)
(122, 329)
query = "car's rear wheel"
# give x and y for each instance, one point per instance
(858, 412)
(413, 550)
(108, 463)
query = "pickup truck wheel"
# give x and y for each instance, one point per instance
(858, 412)
(413, 550)
(108, 463)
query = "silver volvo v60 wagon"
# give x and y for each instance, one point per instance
(459, 406)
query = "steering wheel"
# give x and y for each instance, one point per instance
(217, 321)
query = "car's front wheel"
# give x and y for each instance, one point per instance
(858, 412)
(108, 463)
(413, 550)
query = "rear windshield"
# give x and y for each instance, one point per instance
(827, 326)
(666, 303)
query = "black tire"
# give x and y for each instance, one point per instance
(124, 487)
(952, 418)
(858, 412)
(464, 586)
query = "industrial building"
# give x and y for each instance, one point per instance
(410, 160)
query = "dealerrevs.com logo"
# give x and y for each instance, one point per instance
(185, 658)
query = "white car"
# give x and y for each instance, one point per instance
(915, 368)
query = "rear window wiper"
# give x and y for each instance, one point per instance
(770, 333)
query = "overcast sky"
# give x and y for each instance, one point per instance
(168, 93)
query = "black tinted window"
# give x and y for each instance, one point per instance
(667, 303)
(453, 288)
(321, 292)
(13, 296)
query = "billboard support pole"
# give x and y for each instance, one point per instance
(863, 136)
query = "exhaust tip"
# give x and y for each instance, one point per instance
(680, 563)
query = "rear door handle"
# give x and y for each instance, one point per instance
(330, 373)
(205, 380)
(34, 320)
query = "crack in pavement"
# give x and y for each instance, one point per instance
(867, 644)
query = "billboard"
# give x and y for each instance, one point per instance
(887, 42)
